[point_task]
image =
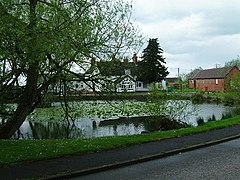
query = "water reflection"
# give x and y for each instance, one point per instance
(97, 127)
(47, 130)
(150, 123)
(206, 111)
(87, 128)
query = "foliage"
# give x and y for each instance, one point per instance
(186, 77)
(213, 118)
(13, 151)
(197, 98)
(235, 89)
(151, 68)
(162, 104)
(115, 68)
(155, 93)
(200, 121)
(91, 109)
(158, 105)
(226, 115)
(43, 42)
(234, 85)
(162, 123)
(233, 62)
(5, 111)
(235, 111)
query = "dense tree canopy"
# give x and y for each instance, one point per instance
(41, 40)
(152, 68)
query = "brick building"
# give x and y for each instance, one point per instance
(175, 82)
(216, 80)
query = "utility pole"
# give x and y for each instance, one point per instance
(179, 81)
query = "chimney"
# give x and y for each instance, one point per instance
(134, 58)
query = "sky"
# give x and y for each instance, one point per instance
(192, 33)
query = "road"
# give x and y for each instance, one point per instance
(221, 161)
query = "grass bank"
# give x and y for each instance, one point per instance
(13, 151)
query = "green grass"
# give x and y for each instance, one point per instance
(185, 90)
(13, 151)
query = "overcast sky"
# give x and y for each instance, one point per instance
(192, 33)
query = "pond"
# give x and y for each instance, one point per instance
(99, 119)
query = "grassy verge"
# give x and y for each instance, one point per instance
(13, 151)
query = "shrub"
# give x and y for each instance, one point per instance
(213, 118)
(200, 121)
(226, 115)
(228, 101)
(198, 98)
(236, 111)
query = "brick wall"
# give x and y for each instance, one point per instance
(208, 84)
(218, 85)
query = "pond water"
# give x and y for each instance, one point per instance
(97, 126)
(88, 128)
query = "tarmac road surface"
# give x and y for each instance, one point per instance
(221, 161)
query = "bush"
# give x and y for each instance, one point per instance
(213, 118)
(236, 111)
(228, 100)
(200, 121)
(226, 115)
(198, 98)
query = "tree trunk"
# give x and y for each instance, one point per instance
(26, 106)
(14, 122)
(29, 98)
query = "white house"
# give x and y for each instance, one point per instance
(105, 76)
(118, 83)
(126, 83)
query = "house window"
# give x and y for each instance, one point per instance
(209, 81)
(216, 81)
(139, 84)
(192, 81)
(202, 81)
(81, 85)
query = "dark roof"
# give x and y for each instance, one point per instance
(172, 79)
(116, 68)
(123, 77)
(212, 73)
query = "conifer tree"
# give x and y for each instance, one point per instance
(151, 68)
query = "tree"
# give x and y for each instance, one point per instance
(193, 73)
(234, 85)
(151, 68)
(233, 62)
(41, 40)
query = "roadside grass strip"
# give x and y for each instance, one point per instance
(15, 151)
